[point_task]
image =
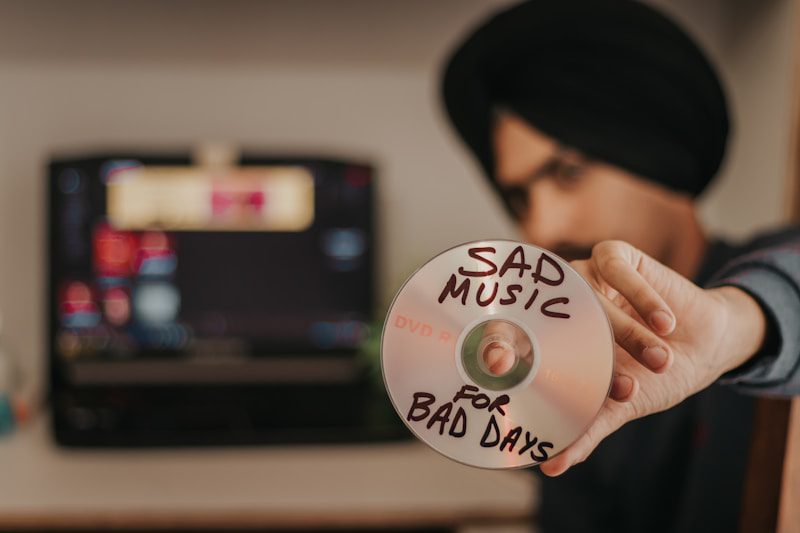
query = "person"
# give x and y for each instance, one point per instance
(599, 123)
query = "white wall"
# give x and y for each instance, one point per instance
(353, 77)
(752, 42)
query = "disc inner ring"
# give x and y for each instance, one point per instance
(497, 353)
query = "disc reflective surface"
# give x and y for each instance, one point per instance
(497, 354)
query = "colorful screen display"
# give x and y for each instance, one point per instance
(154, 259)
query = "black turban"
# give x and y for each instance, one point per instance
(614, 79)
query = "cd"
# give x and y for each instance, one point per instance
(497, 354)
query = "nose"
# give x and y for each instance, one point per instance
(548, 216)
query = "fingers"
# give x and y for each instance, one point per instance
(616, 262)
(499, 358)
(611, 270)
(497, 347)
(623, 387)
(643, 345)
(501, 344)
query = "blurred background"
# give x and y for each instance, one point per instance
(99, 96)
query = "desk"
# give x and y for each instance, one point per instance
(379, 485)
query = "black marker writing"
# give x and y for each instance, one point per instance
(547, 271)
(453, 418)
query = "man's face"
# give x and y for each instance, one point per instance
(567, 203)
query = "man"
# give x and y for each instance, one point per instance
(599, 123)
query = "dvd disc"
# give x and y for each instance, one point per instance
(497, 354)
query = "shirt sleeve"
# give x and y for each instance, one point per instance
(771, 275)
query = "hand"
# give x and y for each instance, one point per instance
(504, 343)
(673, 339)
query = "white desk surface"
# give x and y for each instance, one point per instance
(366, 485)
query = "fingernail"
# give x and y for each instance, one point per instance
(662, 321)
(622, 386)
(655, 357)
